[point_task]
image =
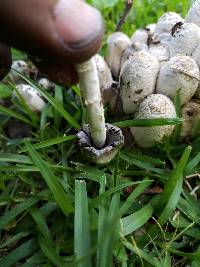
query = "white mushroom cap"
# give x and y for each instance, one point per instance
(46, 84)
(164, 26)
(160, 51)
(180, 73)
(137, 79)
(104, 73)
(185, 39)
(31, 97)
(191, 114)
(139, 40)
(20, 66)
(154, 106)
(193, 15)
(117, 43)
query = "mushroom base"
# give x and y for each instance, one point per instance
(114, 140)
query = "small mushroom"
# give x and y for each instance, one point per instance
(164, 26)
(32, 98)
(46, 84)
(117, 43)
(137, 79)
(114, 140)
(104, 73)
(20, 66)
(139, 40)
(180, 73)
(193, 15)
(95, 137)
(191, 114)
(154, 106)
(185, 38)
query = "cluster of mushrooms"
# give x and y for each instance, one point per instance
(150, 69)
(29, 94)
(142, 74)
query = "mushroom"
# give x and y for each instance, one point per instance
(154, 106)
(164, 26)
(104, 73)
(20, 66)
(127, 54)
(160, 51)
(109, 88)
(114, 140)
(180, 73)
(185, 38)
(31, 97)
(193, 15)
(97, 137)
(117, 43)
(139, 40)
(191, 116)
(137, 79)
(46, 84)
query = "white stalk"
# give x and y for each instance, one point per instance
(90, 89)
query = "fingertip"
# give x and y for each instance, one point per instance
(83, 33)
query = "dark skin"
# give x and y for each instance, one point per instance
(56, 34)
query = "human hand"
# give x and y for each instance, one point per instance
(56, 34)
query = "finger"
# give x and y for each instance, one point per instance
(62, 74)
(5, 60)
(54, 30)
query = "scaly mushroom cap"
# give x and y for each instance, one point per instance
(20, 66)
(31, 97)
(191, 114)
(139, 40)
(154, 106)
(104, 73)
(114, 140)
(180, 73)
(185, 38)
(137, 79)
(164, 26)
(117, 43)
(160, 51)
(193, 15)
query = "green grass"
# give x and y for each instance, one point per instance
(56, 209)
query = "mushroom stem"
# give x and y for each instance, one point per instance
(90, 89)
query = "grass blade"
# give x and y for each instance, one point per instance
(19, 253)
(10, 215)
(51, 142)
(13, 114)
(136, 220)
(148, 122)
(81, 226)
(57, 190)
